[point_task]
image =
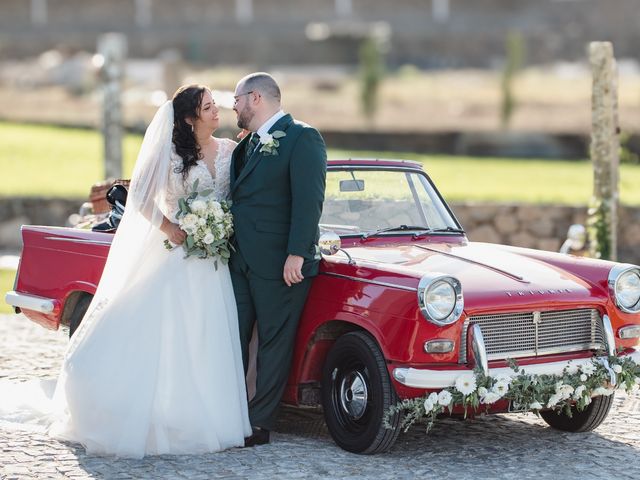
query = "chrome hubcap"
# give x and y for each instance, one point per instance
(353, 395)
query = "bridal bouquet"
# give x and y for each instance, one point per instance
(208, 225)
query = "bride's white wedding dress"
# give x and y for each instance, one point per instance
(157, 367)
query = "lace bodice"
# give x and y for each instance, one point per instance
(178, 187)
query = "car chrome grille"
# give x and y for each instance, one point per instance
(530, 334)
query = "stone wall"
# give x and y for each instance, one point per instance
(542, 227)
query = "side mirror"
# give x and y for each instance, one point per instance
(329, 243)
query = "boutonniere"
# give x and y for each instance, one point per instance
(270, 142)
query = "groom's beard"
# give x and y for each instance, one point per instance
(245, 116)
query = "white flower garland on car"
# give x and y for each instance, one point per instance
(576, 386)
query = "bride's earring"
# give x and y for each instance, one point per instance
(192, 128)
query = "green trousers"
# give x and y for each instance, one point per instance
(276, 309)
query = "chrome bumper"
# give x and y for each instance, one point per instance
(438, 379)
(30, 302)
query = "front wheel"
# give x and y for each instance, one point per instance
(588, 419)
(356, 391)
(78, 313)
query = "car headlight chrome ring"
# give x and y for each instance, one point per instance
(440, 298)
(624, 287)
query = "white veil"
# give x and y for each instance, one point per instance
(134, 251)
(139, 225)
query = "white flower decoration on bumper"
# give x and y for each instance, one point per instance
(466, 384)
(445, 398)
(588, 368)
(573, 390)
(270, 142)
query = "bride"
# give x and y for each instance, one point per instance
(155, 367)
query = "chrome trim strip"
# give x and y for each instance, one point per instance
(401, 166)
(609, 337)
(30, 302)
(479, 350)
(375, 282)
(79, 240)
(437, 379)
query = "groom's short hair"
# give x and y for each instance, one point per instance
(262, 82)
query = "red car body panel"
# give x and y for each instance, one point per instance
(377, 294)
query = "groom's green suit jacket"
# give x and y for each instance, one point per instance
(277, 200)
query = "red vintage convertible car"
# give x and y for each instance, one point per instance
(404, 302)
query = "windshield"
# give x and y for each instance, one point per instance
(360, 201)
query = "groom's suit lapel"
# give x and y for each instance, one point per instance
(238, 153)
(257, 155)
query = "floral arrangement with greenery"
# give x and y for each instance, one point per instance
(576, 386)
(208, 224)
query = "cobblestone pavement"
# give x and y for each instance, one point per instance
(499, 446)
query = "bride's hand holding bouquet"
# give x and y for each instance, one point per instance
(207, 226)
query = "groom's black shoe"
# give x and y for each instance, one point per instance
(260, 436)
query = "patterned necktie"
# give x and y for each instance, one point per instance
(251, 146)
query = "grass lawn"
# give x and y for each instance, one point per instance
(52, 161)
(6, 283)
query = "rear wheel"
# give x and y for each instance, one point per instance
(78, 313)
(356, 391)
(588, 419)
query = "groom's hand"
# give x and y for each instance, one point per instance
(293, 270)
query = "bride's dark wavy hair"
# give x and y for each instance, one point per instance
(186, 104)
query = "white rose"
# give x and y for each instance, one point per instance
(208, 238)
(572, 368)
(583, 377)
(428, 406)
(501, 388)
(553, 400)
(588, 368)
(202, 222)
(266, 138)
(535, 406)
(189, 220)
(433, 396)
(444, 398)
(617, 368)
(502, 378)
(601, 391)
(579, 391)
(489, 398)
(213, 206)
(198, 206)
(466, 384)
(564, 391)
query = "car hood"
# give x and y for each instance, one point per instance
(490, 274)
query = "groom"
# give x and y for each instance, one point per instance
(277, 189)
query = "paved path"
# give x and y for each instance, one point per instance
(500, 446)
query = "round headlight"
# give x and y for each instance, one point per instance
(628, 288)
(440, 299)
(624, 285)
